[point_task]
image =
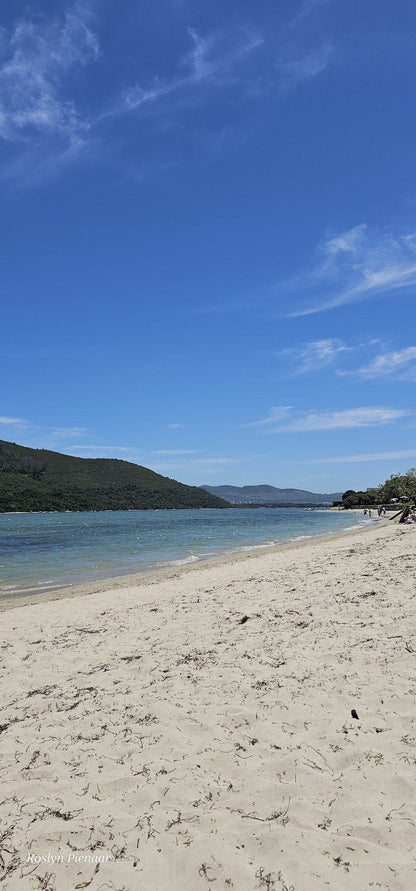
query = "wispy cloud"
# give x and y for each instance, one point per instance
(399, 363)
(43, 432)
(209, 60)
(12, 422)
(36, 57)
(67, 432)
(369, 456)
(171, 452)
(175, 426)
(314, 355)
(40, 109)
(305, 10)
(40, 436)
(304, 66)
(355, 265)
(202, 464)
(305, 422)
(98, 448)
(277, 413)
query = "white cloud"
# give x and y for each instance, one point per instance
(212, 62)
(306, 422)
(305, 66)
(277, 413)
(12, 422)
(68, 432)
(315, 354)
(175, 426)
(38, 109)
(209, 58)
(369, 456)
(98, 448)
(348, 242)
(400, 363)
(203, 464)
(197, 462)
(41, 437)
(308, 7)
(356, 265)
(175, 452)
(36, 57)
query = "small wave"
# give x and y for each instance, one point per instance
(21, 590)
(183, 560)
(255, 547)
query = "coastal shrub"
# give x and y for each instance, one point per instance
(398, 486)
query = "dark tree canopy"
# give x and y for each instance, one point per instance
(40, 480)
(401, 487)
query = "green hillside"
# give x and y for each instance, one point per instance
(37, 479)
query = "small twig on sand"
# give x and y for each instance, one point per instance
(89, 630)
(88, 882)
(275, 816)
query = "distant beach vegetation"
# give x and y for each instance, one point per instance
(396, 490)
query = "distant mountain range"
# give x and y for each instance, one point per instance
(41, 480)
(270, 495)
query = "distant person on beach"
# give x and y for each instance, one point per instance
(365, 511)
(411, 518)
(369, 513)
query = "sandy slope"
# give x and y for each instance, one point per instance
(150, 725)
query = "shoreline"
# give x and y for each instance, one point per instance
(152, 576)
(248, 721)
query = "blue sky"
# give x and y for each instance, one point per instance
(208, 243)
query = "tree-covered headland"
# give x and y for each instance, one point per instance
(41, 480)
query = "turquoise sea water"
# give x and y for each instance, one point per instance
(43, 552)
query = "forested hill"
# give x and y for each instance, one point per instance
(37, 479)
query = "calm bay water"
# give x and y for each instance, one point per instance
(42, 552)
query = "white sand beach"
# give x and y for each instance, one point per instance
(195, 729)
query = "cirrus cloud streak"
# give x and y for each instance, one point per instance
(338, 419)
(360, 263)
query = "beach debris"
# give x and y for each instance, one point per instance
(88, 882)
(7, 865)
(89, 630)
(42, 691)
(354, 714)
(53, 812)
(46, 882)
(243, 620)
(340, 862)
(266, 880)
(4, 727)
(33, 761)
(203, 872)
(276, 815)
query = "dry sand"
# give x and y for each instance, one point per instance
(195, 731)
